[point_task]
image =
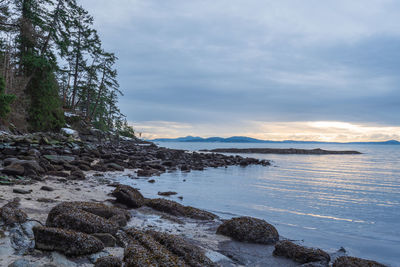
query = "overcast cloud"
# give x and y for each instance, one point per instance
(227, 64)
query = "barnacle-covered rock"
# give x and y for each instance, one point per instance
(191, 254)
(109, 261)
(247, 229)
(70, 243)
(144, 250)
(176, 209)
(87, 217)
(129, 196)
(11, 214)
(301, 254)
(346, 261)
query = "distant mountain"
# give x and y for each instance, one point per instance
(244, 139)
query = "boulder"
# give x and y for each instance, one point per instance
(191, 254)
(144, 250)
(11, 215)
(247, 229)
(115, 167)
(128, 196)
(70, 243)
(57, 158)
(15, 169)
(83, 221)
(346, 261)
(87, 217)
(22, 167)
(77, 175)
(109, 261)
(115, 214)
(301, 254)
(176, 209)
(107, 239)
(21, 191)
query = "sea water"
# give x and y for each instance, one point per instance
(326, 201)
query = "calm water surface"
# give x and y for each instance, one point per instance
(329, 201)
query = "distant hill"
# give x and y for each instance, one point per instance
(244, 139)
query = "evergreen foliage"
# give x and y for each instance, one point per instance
(5, 100)
(56, 49)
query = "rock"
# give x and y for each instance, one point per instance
(113, 214)
(144, 250)
(22, 263)
(128, 196)
(58, 173)
(11, 215)
(176, 209)
(57, 158)
(191, 254)
(47, 188)
(107, 239)
(109, 261)
(70, 243)
(72, 218)
(70, 132)
(77, 175)
(21, 191)
(301, 254)
(83, 221)
(22, 237)
(115, 166)
(152, 181)
(169, 193)
(247, 229)
(346, 261)
(22, 167)
(34, 152)
(145, 173)
(15, 169)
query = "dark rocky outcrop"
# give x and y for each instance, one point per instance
(71, 243)
(168, 193)
(11, 214)
(247, 229)
(129, 196)
(191, 254)
(87, 217)
(83, 221)
(347, 261)
(301, 254)
(107, 239)
(152, 248)
(316, 151)
(143, 250)
(109, 261)
(176, 209)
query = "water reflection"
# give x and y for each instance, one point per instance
(335, 200)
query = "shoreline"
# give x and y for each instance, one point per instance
(95, 187)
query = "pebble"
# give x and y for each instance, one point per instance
(21, 191)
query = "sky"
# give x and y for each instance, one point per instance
(277, 70)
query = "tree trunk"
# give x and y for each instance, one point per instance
(99, 94)
(78, 51)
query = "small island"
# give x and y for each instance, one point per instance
(316, 151)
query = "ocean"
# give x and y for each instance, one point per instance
(325, 201)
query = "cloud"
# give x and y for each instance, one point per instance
(206, 62)
(328, 131)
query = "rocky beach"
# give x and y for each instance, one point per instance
(62, 205)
